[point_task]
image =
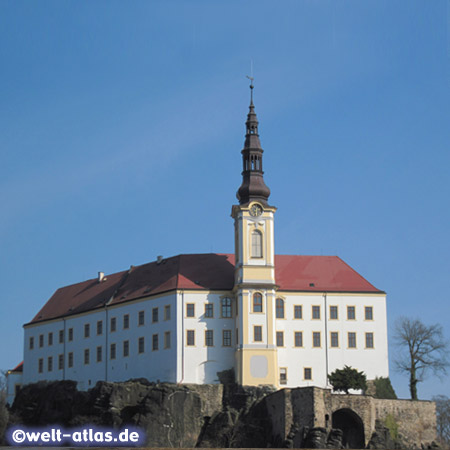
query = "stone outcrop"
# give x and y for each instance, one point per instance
(226, 415)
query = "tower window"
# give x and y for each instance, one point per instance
(257, 244)
(257, 333)
(257, 302)
(283, 375)
(280, 308)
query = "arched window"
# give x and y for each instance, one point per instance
(280, 308)
(257, 302)
(257, 244)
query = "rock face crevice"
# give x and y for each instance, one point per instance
(214, 416)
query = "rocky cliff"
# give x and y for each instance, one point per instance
(175, 415)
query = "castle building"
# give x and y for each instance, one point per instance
(281, 320)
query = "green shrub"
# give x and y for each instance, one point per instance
(383, 388)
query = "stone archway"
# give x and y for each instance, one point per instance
(352, 427)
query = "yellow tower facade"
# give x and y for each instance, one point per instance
(254, 282)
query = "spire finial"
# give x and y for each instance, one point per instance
(251, 89)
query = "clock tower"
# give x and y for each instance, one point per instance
(254, 279)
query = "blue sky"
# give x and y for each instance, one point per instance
(121, 125)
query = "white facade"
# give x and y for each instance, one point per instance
(174, 359)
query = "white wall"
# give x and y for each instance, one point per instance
(199, 363)
(152, 364)
(373, 362)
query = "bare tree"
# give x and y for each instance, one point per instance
(422, 349)
(443, 419)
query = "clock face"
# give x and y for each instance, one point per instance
(255, 210)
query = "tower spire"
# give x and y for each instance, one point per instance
(253, 187)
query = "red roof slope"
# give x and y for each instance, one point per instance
(200, 271)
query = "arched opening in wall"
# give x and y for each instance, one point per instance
(352, 427)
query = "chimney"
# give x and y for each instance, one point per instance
(159, 259)
(101, 275)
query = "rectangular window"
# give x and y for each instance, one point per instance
(237, 336)
(351, 313)
(141, 318)
(316, 339)
(31, 346)
(369, 340)
(155, 342)
(283, 375)
(113, 324)
(190, 310)
(280, 339)
(126, 348)
(61, 336)
(141, 345)
(41, 340)
(209, 338)
(50, 338)
(257, 333)
(41, 365)
(298, 314)
(49, 363)
(126, 321)
(226, 338)
(86, 356)
(351, 340)
(112, 351)
(99, 354)
(99, 327)
(307, 373)
(190, 339)
(333, 312)
(368, 312)
(167, 339)
(60, 362)
(316, 312)
(70, 359)
(298, 339)
(209, 310)
(334, 338)
(225, 307)
(167, 312)
(155, 315)
(87, 330)
(70, 335)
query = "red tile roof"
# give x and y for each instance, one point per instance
(18, 368)
(200, 271)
